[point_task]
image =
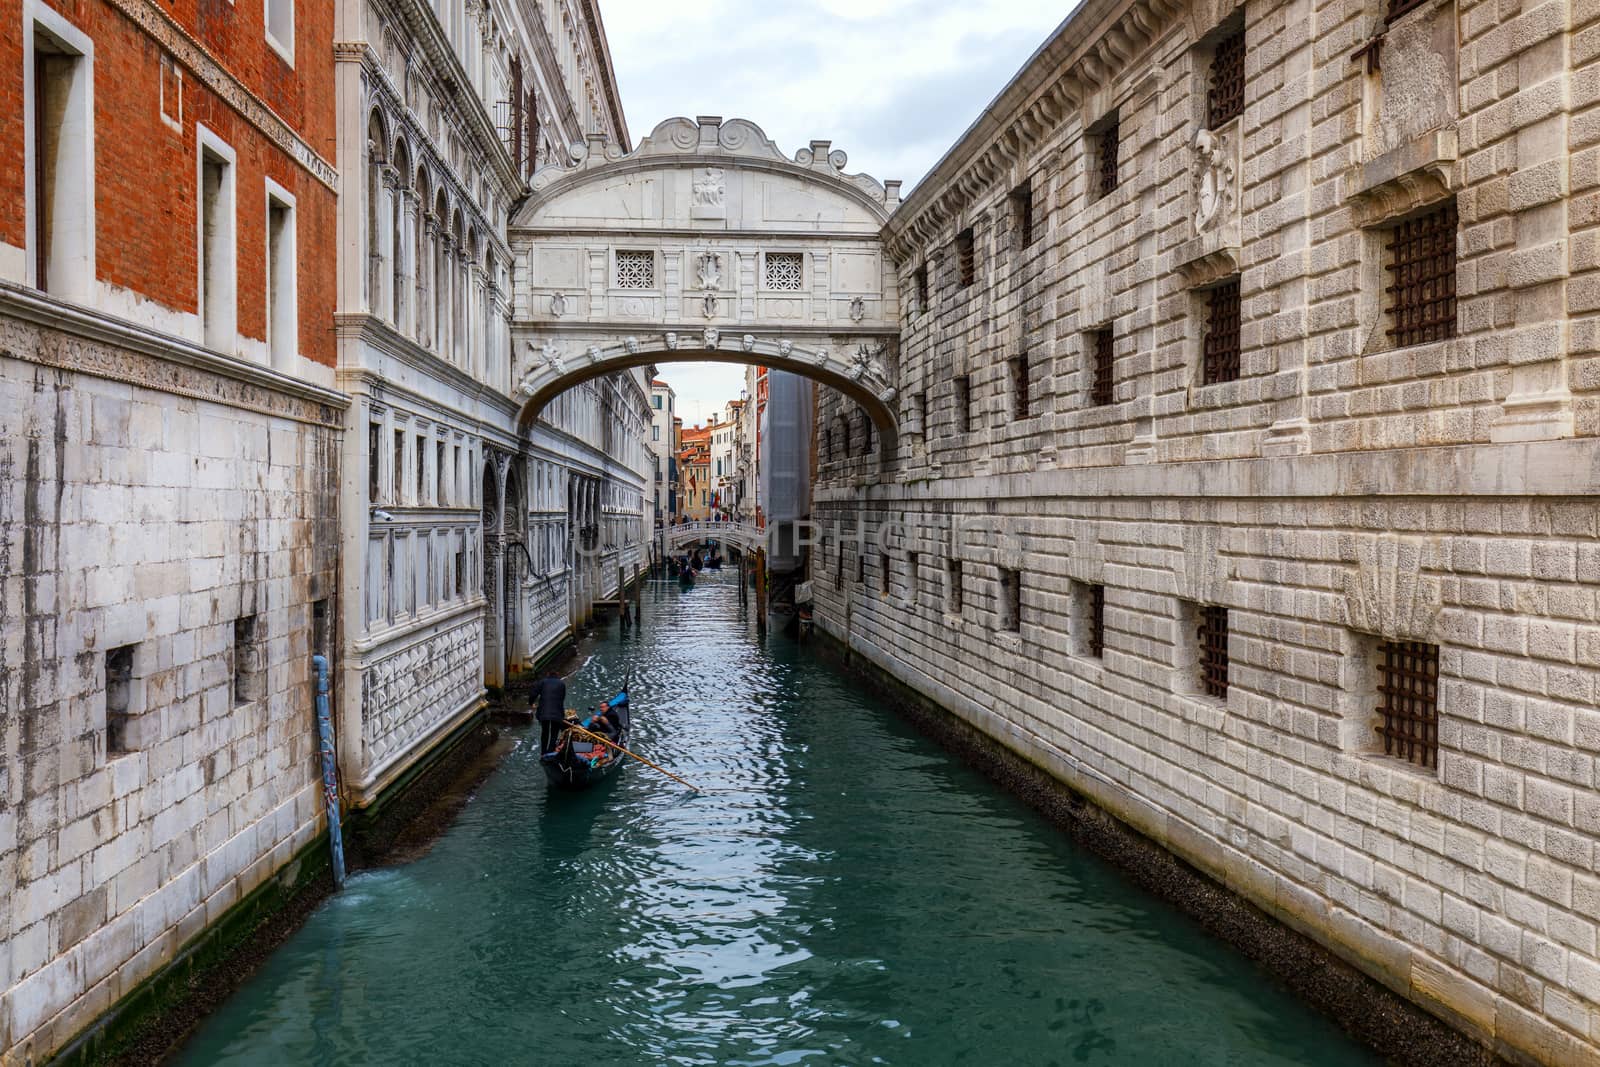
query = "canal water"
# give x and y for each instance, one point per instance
(846, 893)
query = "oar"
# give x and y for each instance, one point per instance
(607, 741)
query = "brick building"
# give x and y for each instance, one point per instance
(1247, 471)
(169, 501)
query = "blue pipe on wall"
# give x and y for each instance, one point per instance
(330, 778)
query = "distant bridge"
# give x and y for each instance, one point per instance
(745, 536)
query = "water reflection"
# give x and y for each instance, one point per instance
(845, 893)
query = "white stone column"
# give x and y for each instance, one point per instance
(406, 295)
(383, 297)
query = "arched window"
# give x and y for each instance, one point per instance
(377, 142)
(422, 264)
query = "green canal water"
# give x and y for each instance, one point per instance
(847, 893)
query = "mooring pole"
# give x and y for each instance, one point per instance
(761, 591)
(330, 774)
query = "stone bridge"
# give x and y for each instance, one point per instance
(707, 244)
(745, 536)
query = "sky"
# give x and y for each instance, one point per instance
(892, 83)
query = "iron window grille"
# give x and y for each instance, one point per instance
(1225, 93)
(1022, 213)
(967, 257)
(1020, 385)
(1102, 354)
(1422, 278)
(883, 576)
(1106, 157)
(786, 271)
(1221, 350)
(920, 278)
(861, 567)
(1408, 694)
(1097, 621)
(911, 577)
(953, 575)
(1213, 637)
(1011, 600)
(636, 270)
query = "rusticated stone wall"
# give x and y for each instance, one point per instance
(1345, 488)
(158, 758)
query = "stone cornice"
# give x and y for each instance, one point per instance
(608, 73)
(195, 58)
(386, 338)
(1086, 54)
(100, 346)
(451, 76)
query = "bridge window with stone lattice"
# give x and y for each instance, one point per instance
(786, 271)
(636, 270)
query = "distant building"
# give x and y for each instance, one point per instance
(694, 471)
(663, 449)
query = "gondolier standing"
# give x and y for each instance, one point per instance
(551, 698)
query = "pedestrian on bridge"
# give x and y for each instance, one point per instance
(551, 698)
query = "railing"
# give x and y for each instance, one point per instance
(745, 535)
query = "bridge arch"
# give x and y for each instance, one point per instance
(707, 244)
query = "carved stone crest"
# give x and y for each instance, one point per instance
(550, 354)
(858, 309)
(1213, 178)
(866, 363)
(709, 306)
(558, 305)
(709, 268)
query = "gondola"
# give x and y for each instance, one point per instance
(578, 762)
(686, 578)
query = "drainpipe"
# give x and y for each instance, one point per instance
(330, 778)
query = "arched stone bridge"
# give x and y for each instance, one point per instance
(745, 536)
(707, 243)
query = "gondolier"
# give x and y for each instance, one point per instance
(550, 698)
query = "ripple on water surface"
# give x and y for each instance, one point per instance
(845, 893)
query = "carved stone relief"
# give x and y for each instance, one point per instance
(1214, 197)
(709, 193)
(1417, 91)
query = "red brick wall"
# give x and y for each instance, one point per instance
(13, 212)
(145, 171)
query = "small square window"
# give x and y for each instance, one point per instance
(954, 598)
(119, 700)
(1408, 701)
(786, 271)
(249, 670)
(963, 402)
(1022, 220)
(1221, 357)
(1211, 635)
(1021, 385)
(1421, 295)
(636, 270)
(1102, 366)
(966, 257)
(1010, 606)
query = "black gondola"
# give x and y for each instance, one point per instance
(686, 578)
(578, 762)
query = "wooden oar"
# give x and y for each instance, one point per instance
(607, 741)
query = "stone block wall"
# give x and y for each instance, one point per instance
(170, 559)
(1349, 486)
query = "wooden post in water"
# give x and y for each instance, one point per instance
(638, 599)
(761, 591)
(622, 596)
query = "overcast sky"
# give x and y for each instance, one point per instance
(892, 83)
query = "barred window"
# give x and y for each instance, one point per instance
(1212, 634)
(883, 573)
(1022, 213)
(953, 590)
(1422, 278)
(786, 271)
(920, 280)
(912, 559)
(1020, 384)
(1106, 147)
(1225, 93)
(1097, 621)
(1221, 347)
(963, 403)
(1408, 696)
(636, 270)
(1102, 366)
(861, 567)
(966, 257)
(1401, 7)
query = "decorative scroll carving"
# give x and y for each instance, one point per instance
(709, 268)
